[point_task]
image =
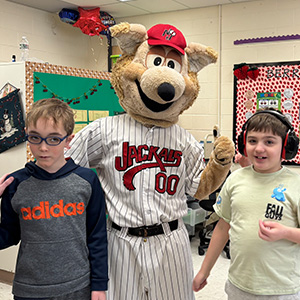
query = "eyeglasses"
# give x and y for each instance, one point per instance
(50, 140)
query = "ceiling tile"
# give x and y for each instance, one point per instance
(127, 9)
(202, 3)
(50, 6)
(121, 10)
(87, 3)
(156, 6)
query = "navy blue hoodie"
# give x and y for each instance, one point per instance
(61, 222)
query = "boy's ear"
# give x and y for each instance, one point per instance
(69, 139)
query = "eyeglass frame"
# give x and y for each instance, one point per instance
(45, 139)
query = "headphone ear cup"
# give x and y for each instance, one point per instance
(242, 143)
(290, 146)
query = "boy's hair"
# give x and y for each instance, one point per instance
(54, 109)
(267, 122)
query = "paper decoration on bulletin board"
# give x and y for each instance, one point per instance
(6, 89)
(277, 86)
(12, 123)
(78, 85)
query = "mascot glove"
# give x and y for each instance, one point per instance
(223, 151)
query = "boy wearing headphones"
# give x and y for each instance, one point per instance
(259, 209)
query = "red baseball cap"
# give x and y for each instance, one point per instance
(168, 35)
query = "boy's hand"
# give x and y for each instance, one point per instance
(271, 231)
(4, 183)
(98, 295)
(199, 282)
(242, 160)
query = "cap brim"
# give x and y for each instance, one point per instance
(153, 42)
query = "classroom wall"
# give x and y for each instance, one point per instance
(59, 43)
(50, 39)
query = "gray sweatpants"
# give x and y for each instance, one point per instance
(235, 293)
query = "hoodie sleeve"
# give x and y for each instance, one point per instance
(97, 237)
(10, 225)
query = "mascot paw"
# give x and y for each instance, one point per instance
(223, 150)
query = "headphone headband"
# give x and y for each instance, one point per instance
(276, 114)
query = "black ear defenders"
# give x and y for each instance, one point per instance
(290, 144)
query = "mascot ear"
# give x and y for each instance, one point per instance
(200, 56)
(129, 36)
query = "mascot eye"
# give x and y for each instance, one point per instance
(173, 64)
(155, 60)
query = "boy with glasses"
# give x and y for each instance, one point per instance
(57, 210)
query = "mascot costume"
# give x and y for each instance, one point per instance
(147, 163)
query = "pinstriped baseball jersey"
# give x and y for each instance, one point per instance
(144, 172)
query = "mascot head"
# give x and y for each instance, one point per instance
(156, 76)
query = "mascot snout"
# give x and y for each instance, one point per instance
(166, 85)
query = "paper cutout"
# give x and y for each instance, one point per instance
(12, 125)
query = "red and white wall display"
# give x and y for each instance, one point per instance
(266, 85)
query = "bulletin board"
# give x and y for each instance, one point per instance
(277, 85)
(90, 98)
(88, 92)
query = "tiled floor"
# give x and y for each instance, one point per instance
(213, 291)
(5, 292)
